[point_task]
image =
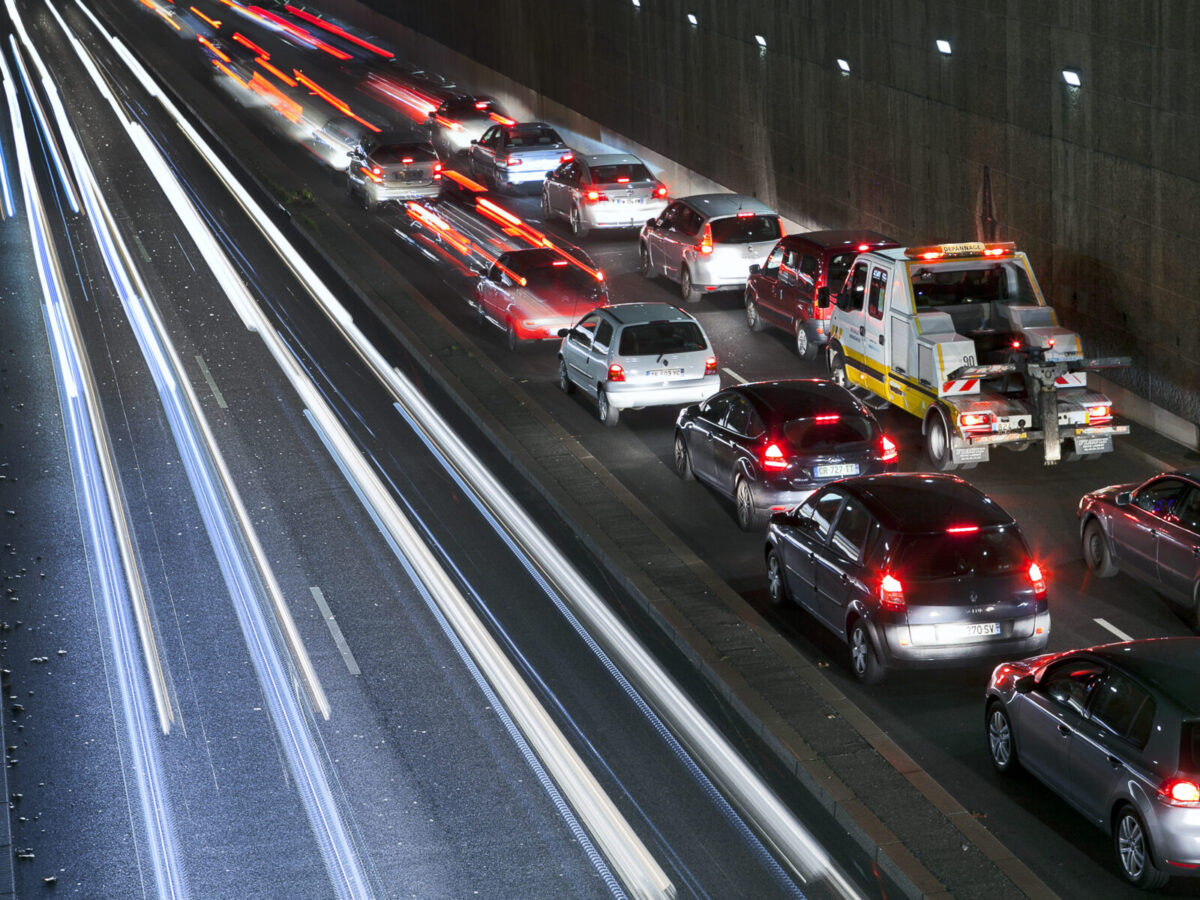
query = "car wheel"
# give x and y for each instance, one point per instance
(1191, 614)
(777, 589)
(837, 367)
(864, 662)
(565, 384)
(644, 266)
(368, 202)
(547, 213)
(1131, 846)
(609, 414)
(748, 518)
(804, 347)
(1001, 747)
(1095, 551)
(937, 444)
(683, 460)
(753, 319)
(510, 336)
(686, 288)
(578, 228)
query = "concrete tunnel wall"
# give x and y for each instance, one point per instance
(1100, 184)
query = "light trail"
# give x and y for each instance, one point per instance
(103, 519)
(10, 209)
(43, 124)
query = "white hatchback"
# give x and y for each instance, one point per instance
(635, 355)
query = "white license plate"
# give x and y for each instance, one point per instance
(663, 373)
(968, 630)
(839, 471)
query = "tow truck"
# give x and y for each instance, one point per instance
(961, 336)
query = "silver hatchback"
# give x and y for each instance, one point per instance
(1115, 731)
(635, 355)
(611, 190)
(709, 242)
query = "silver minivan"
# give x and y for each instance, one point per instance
(635, 355)
(709, 242)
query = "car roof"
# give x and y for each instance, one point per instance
(925, 502)
(611, 159)
(633, 313)
(713, 205)
(840, 237)
(1171, 666)
(799, 398)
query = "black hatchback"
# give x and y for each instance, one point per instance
(769, 445)
(910, 570)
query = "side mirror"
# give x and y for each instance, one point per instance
(1024, 684)
(653, 223)
(692, 411)
(1124, 498)
(474, 142)
(563, 332)
(755, 269)
(822, 300)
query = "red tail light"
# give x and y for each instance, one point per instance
(593, 196)
(566, 157)
(622, 180)
(616, 373)
(660, 191)
(513, 161)
(1180, 792)
(891, 594)
(407, 160)
(962, 529)
(377, 171)
(1099, 414)
(832, 417)
(1038, 582)
(437, 171)
(975, 421)
(773, 458)
(481, 104)
(706, 240)
(863, 248)
(745, 214)
(888, 452)
(710, 366)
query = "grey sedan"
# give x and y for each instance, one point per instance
(612, 190)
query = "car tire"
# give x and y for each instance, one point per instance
(578, 229)
(748, 518)
(368, 202)
(565, 384)
(837, 367)
(647, 270)
(937, 443)
(1095, 551)
(686, 289)
(1002, 747)
(547, 213)
(753, 320)
(777, 589)
(608, 413)
(865, 664)
(1131, 848)
(511, 339)
(683, 459)
(805, 348)
(1191, 614)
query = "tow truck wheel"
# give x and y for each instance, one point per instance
(753, 319)
(937, 443)
(837, 367)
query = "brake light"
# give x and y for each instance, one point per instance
(407, 160)
(437, 171)
(863, 248)
(1180, 792)
(593, 196)
(832, 417)
(513, 161)
(1038, 582)
(377, 171)
(560, 262)
(616, 373)
(975, 421)
(706, 240)
(888, 452)
(481, 104)
(710, 366)
(745, 214)
(622, 180)
(772, 458)
(891, 594)
(962, 529)
(660, 191)
(566, 157)
(1099, 414)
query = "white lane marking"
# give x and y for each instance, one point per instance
(735, 376)
(336, 631)
(212, 384)
(1104, 623)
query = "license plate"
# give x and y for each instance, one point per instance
(1100, 444)
(837, 471)
(663, 373)
(968, 630)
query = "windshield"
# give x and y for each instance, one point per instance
(995, 551)
(746, 229)
(819, 434)
(656, 338)
(620, 173)
(951, 284)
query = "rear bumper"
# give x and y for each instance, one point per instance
(681, 393)
(525, 173)
(904, 646)
(621, 215)
(389, 191)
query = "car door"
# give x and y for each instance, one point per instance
(575, 350)
(839, 565)
(873, 345)
(656, 234)
(668, 240)
(1179, 549)
(598, 355)
(555, 188)
(795, 289)
(492, 292)
(730, 443)
(1106, 748)
(1136, 525)
(850, 318)
(766, 286)
(1046, 719)
(700, 438)
(484, 150)
(804, 538)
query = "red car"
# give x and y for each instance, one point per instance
(532, 294)
(791, 289)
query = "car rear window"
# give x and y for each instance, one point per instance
(563, 278)
(992, 551)
(654, 338)
(952, 284)
(394, 154)
(820, 433)
(1189, 757)
(533, 137)
(746, 229)
(614, 174)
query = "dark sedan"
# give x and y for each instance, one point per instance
(1150, 531)
(910, 570)
(767, 446)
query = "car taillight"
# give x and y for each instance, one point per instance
(566, 157)
(706, 240)
(710, 366)
(660, 191)
(377, 171)
(616, 373)
(593, 196)
(888, 452)
(513, 161)
(773, 458)
(407, 160)
(975, 421)
(437, 171)
(891, 594)
(1180, 792)
(1037, 580)
(1100, 414)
